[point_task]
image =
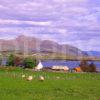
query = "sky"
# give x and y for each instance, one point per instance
(74, 22)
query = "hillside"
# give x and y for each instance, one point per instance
(31, 44)
(93, 53)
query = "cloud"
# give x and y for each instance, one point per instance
(71, 1)
(2, 7)
(66, 21)
(2, 21)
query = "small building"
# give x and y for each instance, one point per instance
(60, 68)
(39, 66)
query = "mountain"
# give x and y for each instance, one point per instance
(93, 53)
(31, 44)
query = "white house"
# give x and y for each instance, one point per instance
(39, 66)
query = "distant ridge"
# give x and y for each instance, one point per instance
(31, 44)
(93, 53)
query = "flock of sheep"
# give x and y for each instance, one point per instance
(30, 78)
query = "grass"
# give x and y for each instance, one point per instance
(56, 86)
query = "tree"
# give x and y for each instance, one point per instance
(11, 60)
(92, 67)
(17, 61)
(84, 66)
(87, 67)
(29, 63)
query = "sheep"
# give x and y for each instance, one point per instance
(30, 78)
(23, 76)
(41, 78)
(58, 77)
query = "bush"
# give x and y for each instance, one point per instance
(11, 60)
(84, 66)
(18, 61)
(92, 67)
(29, 63)
(87, 67)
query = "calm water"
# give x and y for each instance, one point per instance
(70, 64)
(50, 63)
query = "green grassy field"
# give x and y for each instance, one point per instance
(56, 86)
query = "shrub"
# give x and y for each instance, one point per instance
(84, 66)
(87, 67)
(11, 60)
(18, 61)
(29, 63)
(92, 67)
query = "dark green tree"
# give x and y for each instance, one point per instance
(29, 63)
(11, 60)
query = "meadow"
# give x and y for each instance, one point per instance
(56, 86)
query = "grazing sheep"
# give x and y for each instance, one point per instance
(58, 77)
(23, 76)
(41, 78)
(30, 78)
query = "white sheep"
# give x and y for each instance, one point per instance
(41, 78)
(30, 78)
(23, 76)
(58, 77)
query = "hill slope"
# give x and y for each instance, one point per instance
(93, 53)
(32, 44)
